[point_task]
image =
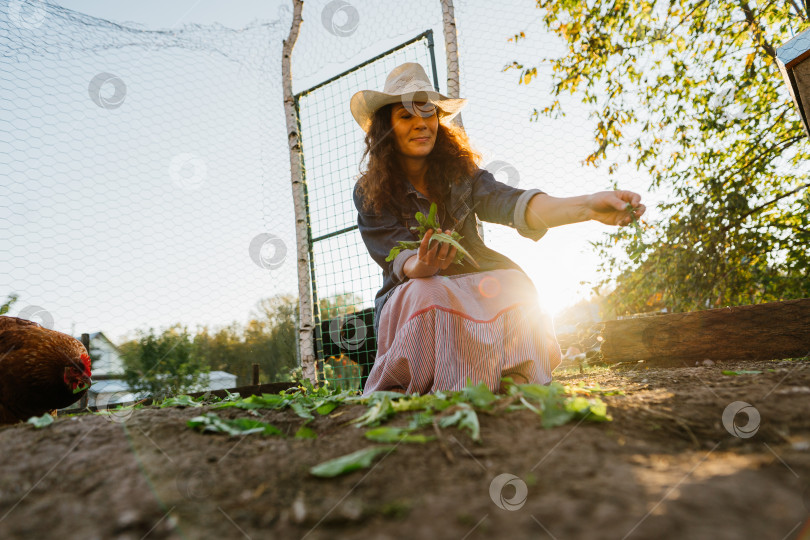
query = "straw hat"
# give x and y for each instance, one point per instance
(406, 84)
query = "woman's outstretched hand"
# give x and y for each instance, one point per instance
(610, 207)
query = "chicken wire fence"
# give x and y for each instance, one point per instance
(146, 172)
(144, 175)
(344, 276)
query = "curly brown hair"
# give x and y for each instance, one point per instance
(383, 184)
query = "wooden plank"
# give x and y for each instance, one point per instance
(768, 331)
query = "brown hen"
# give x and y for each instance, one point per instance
(40, 370)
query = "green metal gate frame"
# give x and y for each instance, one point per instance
(428, 35)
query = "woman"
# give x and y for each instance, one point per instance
(440, 325)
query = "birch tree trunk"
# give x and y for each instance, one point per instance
(306, 325)
(453, 80)
(451, 51)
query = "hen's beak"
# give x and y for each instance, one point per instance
(85, 384)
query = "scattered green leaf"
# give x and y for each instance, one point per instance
(350, 462)
(464, 416)
(305, 432)
(180, 401)
(238, 426)
(379, 411)
(386, 434)
(326, 408)
(41, 421)
(741, 372)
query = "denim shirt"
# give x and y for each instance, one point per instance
(492, 201)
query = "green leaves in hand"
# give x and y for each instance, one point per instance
(637, 246)
(425, 224)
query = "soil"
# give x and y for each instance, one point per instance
(665, 467)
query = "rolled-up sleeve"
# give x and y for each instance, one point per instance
(501, 203)
(380, 233)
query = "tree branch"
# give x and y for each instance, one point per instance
(749, 18)
(768, 203)
(799, 11)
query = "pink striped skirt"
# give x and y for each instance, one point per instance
(439, 332)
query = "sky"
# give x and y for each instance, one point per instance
(144, 214)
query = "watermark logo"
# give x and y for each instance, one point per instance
(110, 405)
(418, 103)
(188, 170)
(725, 99)
(284, 12)
(28, 15)
(100, 95)
(647, 29)
(340, 18)
(730, 416)
(196, 486)
(338, 329)
(503, 168)
(496, 489)
(268, 251)
(38, 315)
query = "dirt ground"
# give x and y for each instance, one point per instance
(665, 467)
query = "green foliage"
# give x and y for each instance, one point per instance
(5, 306)
(304, 401)
(689, 92)
(464, 417)
(339, 305)
(636, 247)
(164, 364)
(180, 401)
(295, 375)
(425, 224)
(342, 372)
(380, 409)
(479, 395)
(555, 404)
(269, 339)
(305, 432)
(238, 426)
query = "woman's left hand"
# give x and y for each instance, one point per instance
(610, 207)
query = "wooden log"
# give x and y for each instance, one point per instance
(768, 331)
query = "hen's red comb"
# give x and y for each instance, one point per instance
(86, 361)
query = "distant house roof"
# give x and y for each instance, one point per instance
(100, 335)
(109, 385)
(220, 375)
(118, 385)
(791, 58)
(792, 51)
